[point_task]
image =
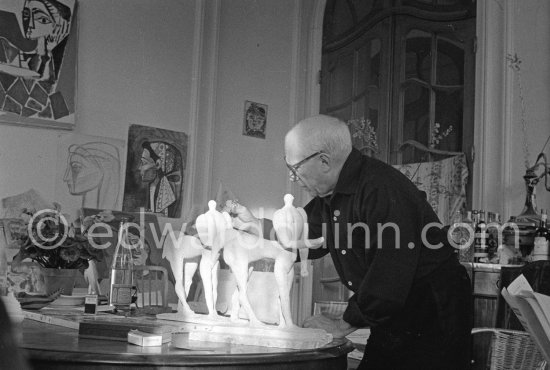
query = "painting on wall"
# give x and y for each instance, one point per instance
(255, 119)
(38, 62)
(155, 171)
(89, 173)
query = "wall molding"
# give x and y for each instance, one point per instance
(507, 173)
(491, 127)
(294, 82)
(202, 104)
(210, 114)
(312, 88)
(194, 102)
(311, 104)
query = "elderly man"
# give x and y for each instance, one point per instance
(388, 248)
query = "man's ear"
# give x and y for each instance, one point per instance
(326, 162)
(158, 164)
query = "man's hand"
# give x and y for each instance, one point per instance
(337, 327)
(242, 214)
(242, 218)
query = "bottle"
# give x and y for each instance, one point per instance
(475, 216)
(120, 296)
(468, 219)
(540, 249)
(480, 239)
(492, 237)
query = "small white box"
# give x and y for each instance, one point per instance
(148, 339)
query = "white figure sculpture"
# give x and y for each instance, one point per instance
(211, 228)
(290, 224)
(184, 254)
(242, 248)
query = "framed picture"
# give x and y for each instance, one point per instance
(38, 63)
(255, 119)
(14, 230)
(155, 171)
(26, 277)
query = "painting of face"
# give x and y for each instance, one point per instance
(37, 20)
(155, 170)
(147, 167)
(82, 174)
(36, 50)
(88, 173)
(255, 119)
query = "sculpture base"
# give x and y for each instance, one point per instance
(221, 330)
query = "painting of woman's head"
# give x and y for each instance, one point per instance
(155, 168)
(49, 19)
(89, 173)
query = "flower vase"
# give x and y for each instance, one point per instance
(55, 279)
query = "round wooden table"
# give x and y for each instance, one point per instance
(56, 347)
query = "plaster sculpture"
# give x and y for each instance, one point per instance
(184, 254)
(290, 224)
(241, 249)
(211, 228)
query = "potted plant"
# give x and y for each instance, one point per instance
(59, 248)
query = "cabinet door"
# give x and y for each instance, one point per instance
(355, 80)
(433, 87)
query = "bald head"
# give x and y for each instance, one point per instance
(320, 133)
(316, 150)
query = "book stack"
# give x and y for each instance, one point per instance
(532, 310)
(144, 339)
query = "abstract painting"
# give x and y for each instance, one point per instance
(89, 173)
(38, 62)
(155, 171)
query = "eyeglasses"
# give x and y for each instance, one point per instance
(293, 168)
